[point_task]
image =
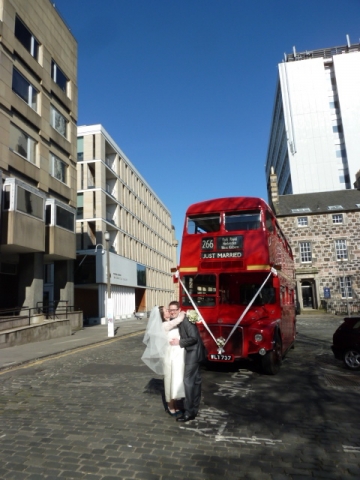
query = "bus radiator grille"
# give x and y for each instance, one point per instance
(234, 345)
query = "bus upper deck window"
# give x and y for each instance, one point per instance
(203, 224)
(269, 222)
(242, 221)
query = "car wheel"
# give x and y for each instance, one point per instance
(271, 361)
(352, 359)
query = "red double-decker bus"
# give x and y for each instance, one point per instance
(237, 272)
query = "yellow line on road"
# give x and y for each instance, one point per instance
(39, 361)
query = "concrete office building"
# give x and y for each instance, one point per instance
(38, 96)
(314, 142)
(113, 197)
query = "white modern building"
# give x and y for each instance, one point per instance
(120, 218)
(314, 141)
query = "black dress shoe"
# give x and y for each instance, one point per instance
(185, 418)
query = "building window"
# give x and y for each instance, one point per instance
(305, 252)
(64, 218)
(28, 202)
(337, 128)
(340, 152)
(26, 38)
(24, 89)
(22, 144)
(80, 206)
(58, 168)
(58, 121)
(49, 273)
(80, 148)
(345, 287)
(141, 275)
(341, 250)
(302, 221)
(337, 218)
(58, 76)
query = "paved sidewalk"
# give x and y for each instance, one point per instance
(89, 335)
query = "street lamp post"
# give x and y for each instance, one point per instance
(109, 304)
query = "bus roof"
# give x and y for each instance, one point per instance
(226, 204)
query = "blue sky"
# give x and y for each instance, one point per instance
(186, 87)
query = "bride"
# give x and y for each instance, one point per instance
(163, 358)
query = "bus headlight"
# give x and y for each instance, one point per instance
(258, 337)
(262, 351)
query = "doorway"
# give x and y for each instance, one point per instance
(307, 294)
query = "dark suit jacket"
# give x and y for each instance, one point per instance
(190, 340)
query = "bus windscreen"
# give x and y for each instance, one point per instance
(202, 289)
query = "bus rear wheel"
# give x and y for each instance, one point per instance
(272, 360)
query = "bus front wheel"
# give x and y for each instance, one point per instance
(271, 361)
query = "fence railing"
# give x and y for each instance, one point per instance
(50, 310)
(342, 307)
(54, 308)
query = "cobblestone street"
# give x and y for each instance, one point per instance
(97, 413)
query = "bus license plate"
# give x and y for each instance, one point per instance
(219, 357)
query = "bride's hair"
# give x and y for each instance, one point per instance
(161, 310)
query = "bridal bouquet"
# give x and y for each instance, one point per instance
(220, 342)
(193, 316)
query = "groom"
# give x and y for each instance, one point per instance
(194, 354)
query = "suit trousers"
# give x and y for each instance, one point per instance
(192, 384)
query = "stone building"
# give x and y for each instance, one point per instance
(113, 197)
(323, 231)
(38, 115)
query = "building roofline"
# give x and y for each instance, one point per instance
(98, 128)
(326, 53)
(306, 204)
(62, 18)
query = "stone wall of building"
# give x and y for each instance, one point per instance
(325, 269)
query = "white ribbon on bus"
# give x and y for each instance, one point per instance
(222, 345)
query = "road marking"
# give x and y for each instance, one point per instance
(68, 341)
(350, 449)
(231, 388)
(248, 440)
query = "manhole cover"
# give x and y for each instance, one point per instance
(342, 381)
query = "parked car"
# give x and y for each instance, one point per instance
(346, 343)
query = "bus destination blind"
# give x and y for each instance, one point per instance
(229, 246)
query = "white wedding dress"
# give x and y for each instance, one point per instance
(174, 369)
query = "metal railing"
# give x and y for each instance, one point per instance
(50, 310)
(343, 307)
(322, 53)
(54, 308)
